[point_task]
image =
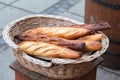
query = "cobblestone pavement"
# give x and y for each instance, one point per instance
(13, 9)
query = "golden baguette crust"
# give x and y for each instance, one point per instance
(64, 32)
(94, 37)
(92, 46)
(47, 50)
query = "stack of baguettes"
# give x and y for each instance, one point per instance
(62, 42)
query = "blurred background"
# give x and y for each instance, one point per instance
(74, 9)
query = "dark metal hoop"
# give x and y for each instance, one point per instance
(108, 4)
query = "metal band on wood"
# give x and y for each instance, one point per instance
(114, 41)
(113, 54)
(108, 4)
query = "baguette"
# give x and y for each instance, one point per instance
(64, 32)
(87, 43)
(47, 50)
(94, 37)
(92, 46)
(95, 27)
(72, 44)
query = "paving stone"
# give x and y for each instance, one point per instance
(6, 58)
(0, 32)
(72, 1)
(1, 6)
(78, 8)
(3, 48)
(57, 5)
(110, 70)
(3, 45)
(9, 14)
(1, 41)
(61, 7)
(35, 5)
(105, 75)
(7, 1)
(72, 16)
(51, 10)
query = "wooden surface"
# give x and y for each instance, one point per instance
(114, 1)
(95, 13)
(19, 76)
(22, 73)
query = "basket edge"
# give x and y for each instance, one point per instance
(6, 29)
(102, 51)
(13, 45)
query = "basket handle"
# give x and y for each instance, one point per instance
(37, 61)
(97, 62)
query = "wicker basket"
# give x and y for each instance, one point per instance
(57, 68)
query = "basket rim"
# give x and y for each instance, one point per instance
(55, 60)
(9, 25)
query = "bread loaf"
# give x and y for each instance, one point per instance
(94, 37)
(47, 50)
(95, 27)
(92, 46)
(64, 32)
(72, 44)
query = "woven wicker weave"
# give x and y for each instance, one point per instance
(57, 68)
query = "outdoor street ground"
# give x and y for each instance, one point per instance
(13, 9)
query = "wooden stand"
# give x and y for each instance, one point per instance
(22, 73)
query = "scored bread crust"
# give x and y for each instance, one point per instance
(47, 50)
(64, 32)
